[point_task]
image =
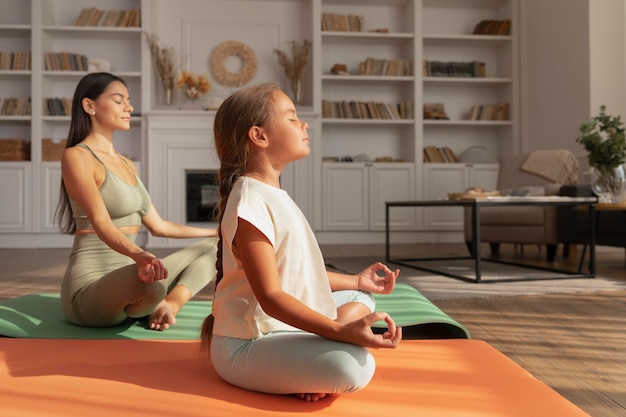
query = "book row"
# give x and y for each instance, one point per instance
(490, 112)
(453, 69)
(65, 61)
(341, 22)
(493, 27)
(15, 106)
(435, 154)
(15, 60)
(109, 18)
(366, 110)
(58, 106)
(389, 67)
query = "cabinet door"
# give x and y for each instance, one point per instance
(392, 182)
(15, 204)
(345, 198)
(439, 180)
(484, 176)
(51, 188)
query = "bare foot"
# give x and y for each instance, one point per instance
(162, 317)
(311, 397)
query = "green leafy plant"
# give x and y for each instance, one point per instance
(603, 137)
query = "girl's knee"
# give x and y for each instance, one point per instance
(353, 371)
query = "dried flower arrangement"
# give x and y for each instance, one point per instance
(294, 68)
(195, 85)
(164, 58)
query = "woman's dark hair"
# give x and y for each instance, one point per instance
(242, 110)
(90, 86)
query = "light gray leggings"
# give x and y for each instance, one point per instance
(101, 288)
(295, 362)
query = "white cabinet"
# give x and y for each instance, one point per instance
(15, 204)
(441, 179)
(355, 194)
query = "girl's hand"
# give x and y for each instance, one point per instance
(359, 332)
(150, 268)
(371, 281)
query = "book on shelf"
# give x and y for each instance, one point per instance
(439, 154)
(493, 27)
(387, 67)
(341, 22)
(57, 106)
(453, 69)
(109, 18)
(366, 110)
(15, 61)
(490, 112)
(15, 106)
(65, 61)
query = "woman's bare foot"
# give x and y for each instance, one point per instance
(162, 317)
(311, 397)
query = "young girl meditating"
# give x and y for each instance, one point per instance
(281, 323)
(103, 204)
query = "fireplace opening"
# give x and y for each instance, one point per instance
(202, 196)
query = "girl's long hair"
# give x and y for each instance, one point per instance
(90, 86)
(238, 113)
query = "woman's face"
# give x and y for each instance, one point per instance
(112, 108)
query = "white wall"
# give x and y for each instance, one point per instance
(607, 45)
(555, 73)
(573, 60)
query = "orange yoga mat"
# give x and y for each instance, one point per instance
(426, 378)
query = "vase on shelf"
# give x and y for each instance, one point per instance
(609, 184)
(296, 89)
(167, 95)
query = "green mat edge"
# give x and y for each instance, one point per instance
(422, 310)
(406, 305)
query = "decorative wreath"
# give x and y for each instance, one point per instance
(239, 49)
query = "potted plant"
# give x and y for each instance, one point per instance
(603, 137)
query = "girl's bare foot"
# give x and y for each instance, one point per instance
(311, 397)
(162, 317)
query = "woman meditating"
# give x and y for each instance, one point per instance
(281, 323)
(103, 204)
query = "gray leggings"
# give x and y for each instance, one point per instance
(295, 362)
(101, 288)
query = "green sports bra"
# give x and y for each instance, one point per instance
(126, 203)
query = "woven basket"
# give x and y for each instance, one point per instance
(51, 150)
(14, 150)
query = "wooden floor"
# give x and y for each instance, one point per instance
(575, 343)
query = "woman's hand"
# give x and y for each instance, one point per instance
(359, 332)
(371, 281)
(150, 268)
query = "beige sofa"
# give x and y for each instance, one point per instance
(535, 173)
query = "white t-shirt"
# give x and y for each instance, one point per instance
(298, 258)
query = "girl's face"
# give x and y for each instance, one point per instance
(113, 108)
(288, 135)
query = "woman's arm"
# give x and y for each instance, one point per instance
(259, 262)
(157, 226)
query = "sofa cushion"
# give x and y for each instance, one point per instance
(513, 216)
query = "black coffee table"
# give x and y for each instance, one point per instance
(475, 205)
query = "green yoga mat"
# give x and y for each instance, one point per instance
(39, 316)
